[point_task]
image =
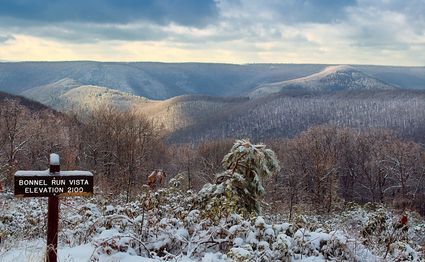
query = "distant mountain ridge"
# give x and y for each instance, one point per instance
(330, 79)
(286, 115)
(196, 101)
(166, 80)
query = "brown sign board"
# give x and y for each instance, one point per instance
(63, 183)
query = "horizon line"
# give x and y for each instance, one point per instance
(199, 62)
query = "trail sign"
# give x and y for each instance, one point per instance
(42, 184)
(53, 183)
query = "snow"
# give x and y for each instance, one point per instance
(311, 259)
(110, 210)
(54, 160)
(33, 173)
(214, 257)
(108, 234)
(93, 229)
(240, 252)
(182, 233)
(75, 173)
(237, 242)
(269, 232)
(34, 251)
(259, 222)
(341, 75)
(317, 238)
(25, 251)
(29, 173)
(234, 228)
(78, 253)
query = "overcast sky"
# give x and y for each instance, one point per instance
(389, 32)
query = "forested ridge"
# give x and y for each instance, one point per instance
(288, 114)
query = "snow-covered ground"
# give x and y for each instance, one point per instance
(166, 226)
(34, 251)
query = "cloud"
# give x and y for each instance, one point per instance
(87, 21)
(186, 12)
(287, 11)
(6, 38)
(91, 33)
(387, 25)
(240, 31)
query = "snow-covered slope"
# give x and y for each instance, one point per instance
(332, 78)
(173, 114)
(151, 80)
(98, 229)
(166, 80)
(68, 94)
(89, 97)
(49, 94)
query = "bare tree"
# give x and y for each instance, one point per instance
(120, 146)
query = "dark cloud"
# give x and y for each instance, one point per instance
(238, 25)
(195, 13)
(92, 33)
(80, 33)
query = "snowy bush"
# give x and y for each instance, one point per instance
(175, 230)
(219, 223)
(239, 188)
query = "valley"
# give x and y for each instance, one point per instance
(264, 101)
(343, 147)
(212, 131)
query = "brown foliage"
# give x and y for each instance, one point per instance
(325, 165)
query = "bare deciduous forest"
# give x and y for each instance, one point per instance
(322, 167)
(286, 115)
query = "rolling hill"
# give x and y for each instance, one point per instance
(286, 115)
(172, 114)
(167, 80)
(331, 79)
(151, 80)
(194, 102)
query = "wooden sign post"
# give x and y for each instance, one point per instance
(53, 183)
